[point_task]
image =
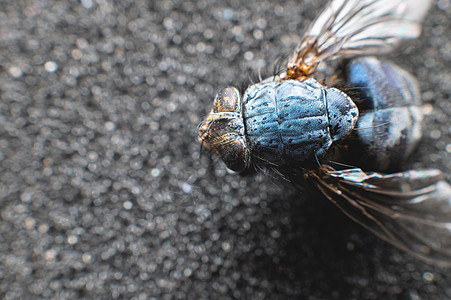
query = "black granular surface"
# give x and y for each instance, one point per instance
(104, 192)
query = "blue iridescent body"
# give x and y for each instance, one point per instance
(389, 127)
(293, 121)
(285, 122)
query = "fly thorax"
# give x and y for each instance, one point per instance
(294, 121)
(342, 113)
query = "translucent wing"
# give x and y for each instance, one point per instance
(349, 28)
(411, 210)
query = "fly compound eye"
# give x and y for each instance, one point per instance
(227, 100)
(233, 154)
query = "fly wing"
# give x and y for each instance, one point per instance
(411, 210)
(348, 28)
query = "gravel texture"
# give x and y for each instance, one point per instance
(104, 192)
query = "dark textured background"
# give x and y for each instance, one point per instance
(104, 194)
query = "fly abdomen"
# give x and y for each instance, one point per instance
(294, 121)
(390, 124)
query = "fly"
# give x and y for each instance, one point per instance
(297, 126)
